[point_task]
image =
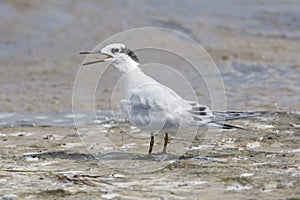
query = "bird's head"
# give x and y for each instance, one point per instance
(118, 55)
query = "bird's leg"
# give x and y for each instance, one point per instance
(166, 138)
(151, 144)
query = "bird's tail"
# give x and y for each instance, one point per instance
(225, 126)
(233, 115)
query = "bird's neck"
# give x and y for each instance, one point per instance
(126, 65)
(135, 79)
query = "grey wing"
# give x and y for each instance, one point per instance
(153, 108)
(137, 112)
(199, 115)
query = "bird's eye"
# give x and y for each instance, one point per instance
(114, 50)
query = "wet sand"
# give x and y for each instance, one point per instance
(51, 163)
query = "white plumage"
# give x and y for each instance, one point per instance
(154, 107)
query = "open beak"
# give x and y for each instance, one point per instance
(97, 59)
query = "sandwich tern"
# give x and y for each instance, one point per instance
(154, 107)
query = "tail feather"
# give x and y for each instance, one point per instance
(220, 117)
(233, 115)
(227, 126)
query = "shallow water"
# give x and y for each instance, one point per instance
(252, 43)
(52, 119)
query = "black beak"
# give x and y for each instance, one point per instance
(88, 52)
(97, 59)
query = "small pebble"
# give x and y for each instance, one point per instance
(31, 158)
(109, 196)
(9, 196)
(253, 145)
(246, 174)
(49, 137)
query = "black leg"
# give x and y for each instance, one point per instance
(166, 143)
(151, 144)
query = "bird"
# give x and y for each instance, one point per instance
(154, 107)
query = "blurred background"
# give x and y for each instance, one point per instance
(255, 44)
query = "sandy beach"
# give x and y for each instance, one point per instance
(255, 47)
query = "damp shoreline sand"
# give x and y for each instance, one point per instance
(53, 162)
